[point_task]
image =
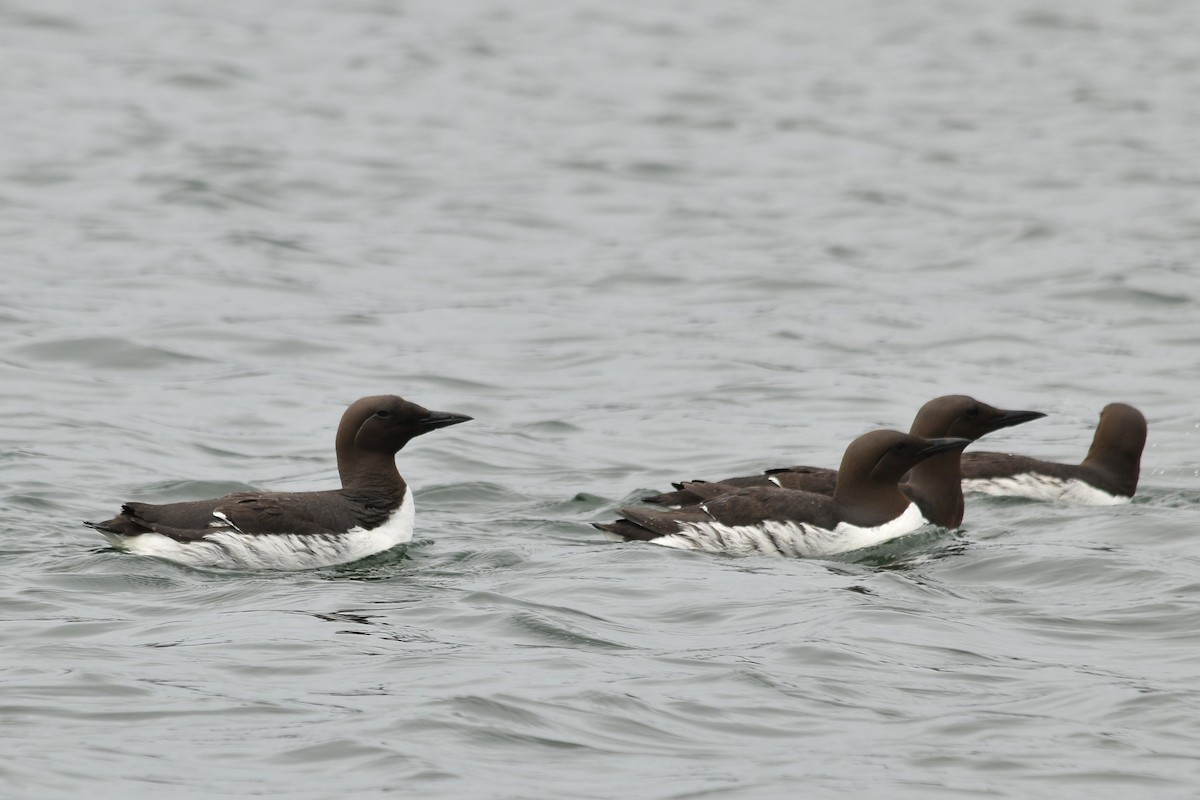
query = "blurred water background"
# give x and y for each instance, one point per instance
(637, 242)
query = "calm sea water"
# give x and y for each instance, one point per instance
(637, 243)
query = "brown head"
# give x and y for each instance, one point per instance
(374, 429)
(964, 417)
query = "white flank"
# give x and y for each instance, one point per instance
(234, 550)
(789, 539)
(1043, 487)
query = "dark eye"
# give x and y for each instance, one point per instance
(973, 413)
(900, 448)
(383, 414)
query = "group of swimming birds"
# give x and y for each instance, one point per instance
(889, 484)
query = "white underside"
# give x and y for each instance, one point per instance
(789, 539)
(1042, 487)
(232, 550)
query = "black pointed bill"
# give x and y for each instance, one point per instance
(1010, 418)
(935, 446)
(441, 419)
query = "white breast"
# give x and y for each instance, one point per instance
(789, 539)
(285, 551)
(1035, 486)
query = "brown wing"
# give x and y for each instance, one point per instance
(249, 512)
(183, 521)
(752, 506)
(809, 479)
(818, 480)
(741, 507)
(983, 465)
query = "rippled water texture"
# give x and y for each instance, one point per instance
(637, 242)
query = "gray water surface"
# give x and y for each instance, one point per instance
(637, 243)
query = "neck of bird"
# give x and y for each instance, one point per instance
(869, 504)
(1124, 468)
(372, 474)
(936, 486)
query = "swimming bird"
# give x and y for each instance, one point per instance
(370, 513)
(867, 507)
(933, 484)
(1107, 476)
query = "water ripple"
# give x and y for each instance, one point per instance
(637, 243)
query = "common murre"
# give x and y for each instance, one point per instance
(370, 513)
(1107, 476)
(867, 507)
